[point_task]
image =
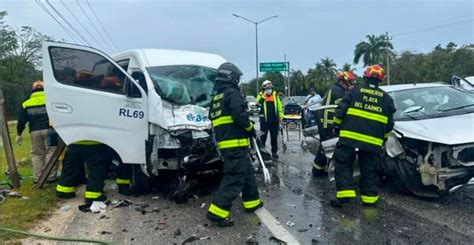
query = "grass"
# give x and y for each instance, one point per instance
(18, 213)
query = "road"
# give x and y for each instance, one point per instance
(300, 205)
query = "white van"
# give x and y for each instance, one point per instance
(149, 105)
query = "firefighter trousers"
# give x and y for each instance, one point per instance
(238, 177)
(369, 162)
(273, 127)
(97, 161)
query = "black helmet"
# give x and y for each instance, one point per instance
(229, 72)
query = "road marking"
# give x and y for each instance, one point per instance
(275, 227)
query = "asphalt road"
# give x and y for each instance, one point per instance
(300, 205)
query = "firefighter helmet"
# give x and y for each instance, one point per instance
(229, 72)
(374, 71)
(346, 76)
(37, 85)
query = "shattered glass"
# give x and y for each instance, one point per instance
(184, 84)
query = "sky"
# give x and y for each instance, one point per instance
(306, 31)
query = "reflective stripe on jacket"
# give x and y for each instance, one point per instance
(264, 99)
(33, 111)
(365, 116)
(230, 119)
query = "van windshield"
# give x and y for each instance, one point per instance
(184, 84)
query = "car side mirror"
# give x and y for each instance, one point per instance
(131, 90)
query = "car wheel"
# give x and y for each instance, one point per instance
(411, 179)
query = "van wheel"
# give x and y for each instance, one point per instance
(141, 184)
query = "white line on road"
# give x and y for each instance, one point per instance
(275, 227)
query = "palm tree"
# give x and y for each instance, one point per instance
(372, 51)
(327, 70)
(348, 67)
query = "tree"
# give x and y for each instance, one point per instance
(347, 67)
(372, 51)
(327, 71)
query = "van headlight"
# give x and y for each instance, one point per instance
(393, 146)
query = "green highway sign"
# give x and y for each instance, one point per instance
(273, 66)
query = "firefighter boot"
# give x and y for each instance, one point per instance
(342, 202)
(251, 210)
(219, 222)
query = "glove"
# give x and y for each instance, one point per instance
(252, 133)
(19, 139)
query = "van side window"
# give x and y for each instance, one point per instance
(140, 77)
(85, 69)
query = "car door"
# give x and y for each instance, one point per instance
(90, 97)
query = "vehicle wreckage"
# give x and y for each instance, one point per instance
(431, 148)
(149, 105)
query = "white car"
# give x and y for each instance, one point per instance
(431, 148)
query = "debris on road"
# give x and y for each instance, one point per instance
(177, 233)
(276, 240)
(98, 207)
(251, 240)
(65, 208)
(105, 232)
(203, 205)
(155, 198)
(104, 217)
(120, 203)
(291, 205)
(195, 238)
(303, 230)
(314, 241)
(290, 224)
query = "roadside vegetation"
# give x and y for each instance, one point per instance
(22, 213)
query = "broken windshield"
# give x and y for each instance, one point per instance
(184, 84)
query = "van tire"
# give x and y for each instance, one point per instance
(141, 184)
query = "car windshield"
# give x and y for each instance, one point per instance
(298, 99)
(184, 84)
(250, 99)
(424, 103)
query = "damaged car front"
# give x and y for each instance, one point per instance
(431, 149)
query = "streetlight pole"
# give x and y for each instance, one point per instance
(256, 41)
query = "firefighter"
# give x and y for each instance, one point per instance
(363, 119)
(232, 129)
(97, 158)
(33, 111)
(271, 114)
(344, 82)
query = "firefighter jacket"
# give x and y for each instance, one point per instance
(230, 120)
(365, 116)
(333, 97)
(272, 109)
(33, 111)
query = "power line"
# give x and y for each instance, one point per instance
(92, 24)
(83, 27)
(102, 25)
(427, 28)
(70, 34)
(67, 22)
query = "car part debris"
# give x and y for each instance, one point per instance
(120, 203)
(303, 230)
(105, 232)
(98, 207)
(279, 241)
(190, 239)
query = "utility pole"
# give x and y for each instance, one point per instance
(256, 42)
(387, 56)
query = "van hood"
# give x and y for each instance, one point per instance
(452, 130)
